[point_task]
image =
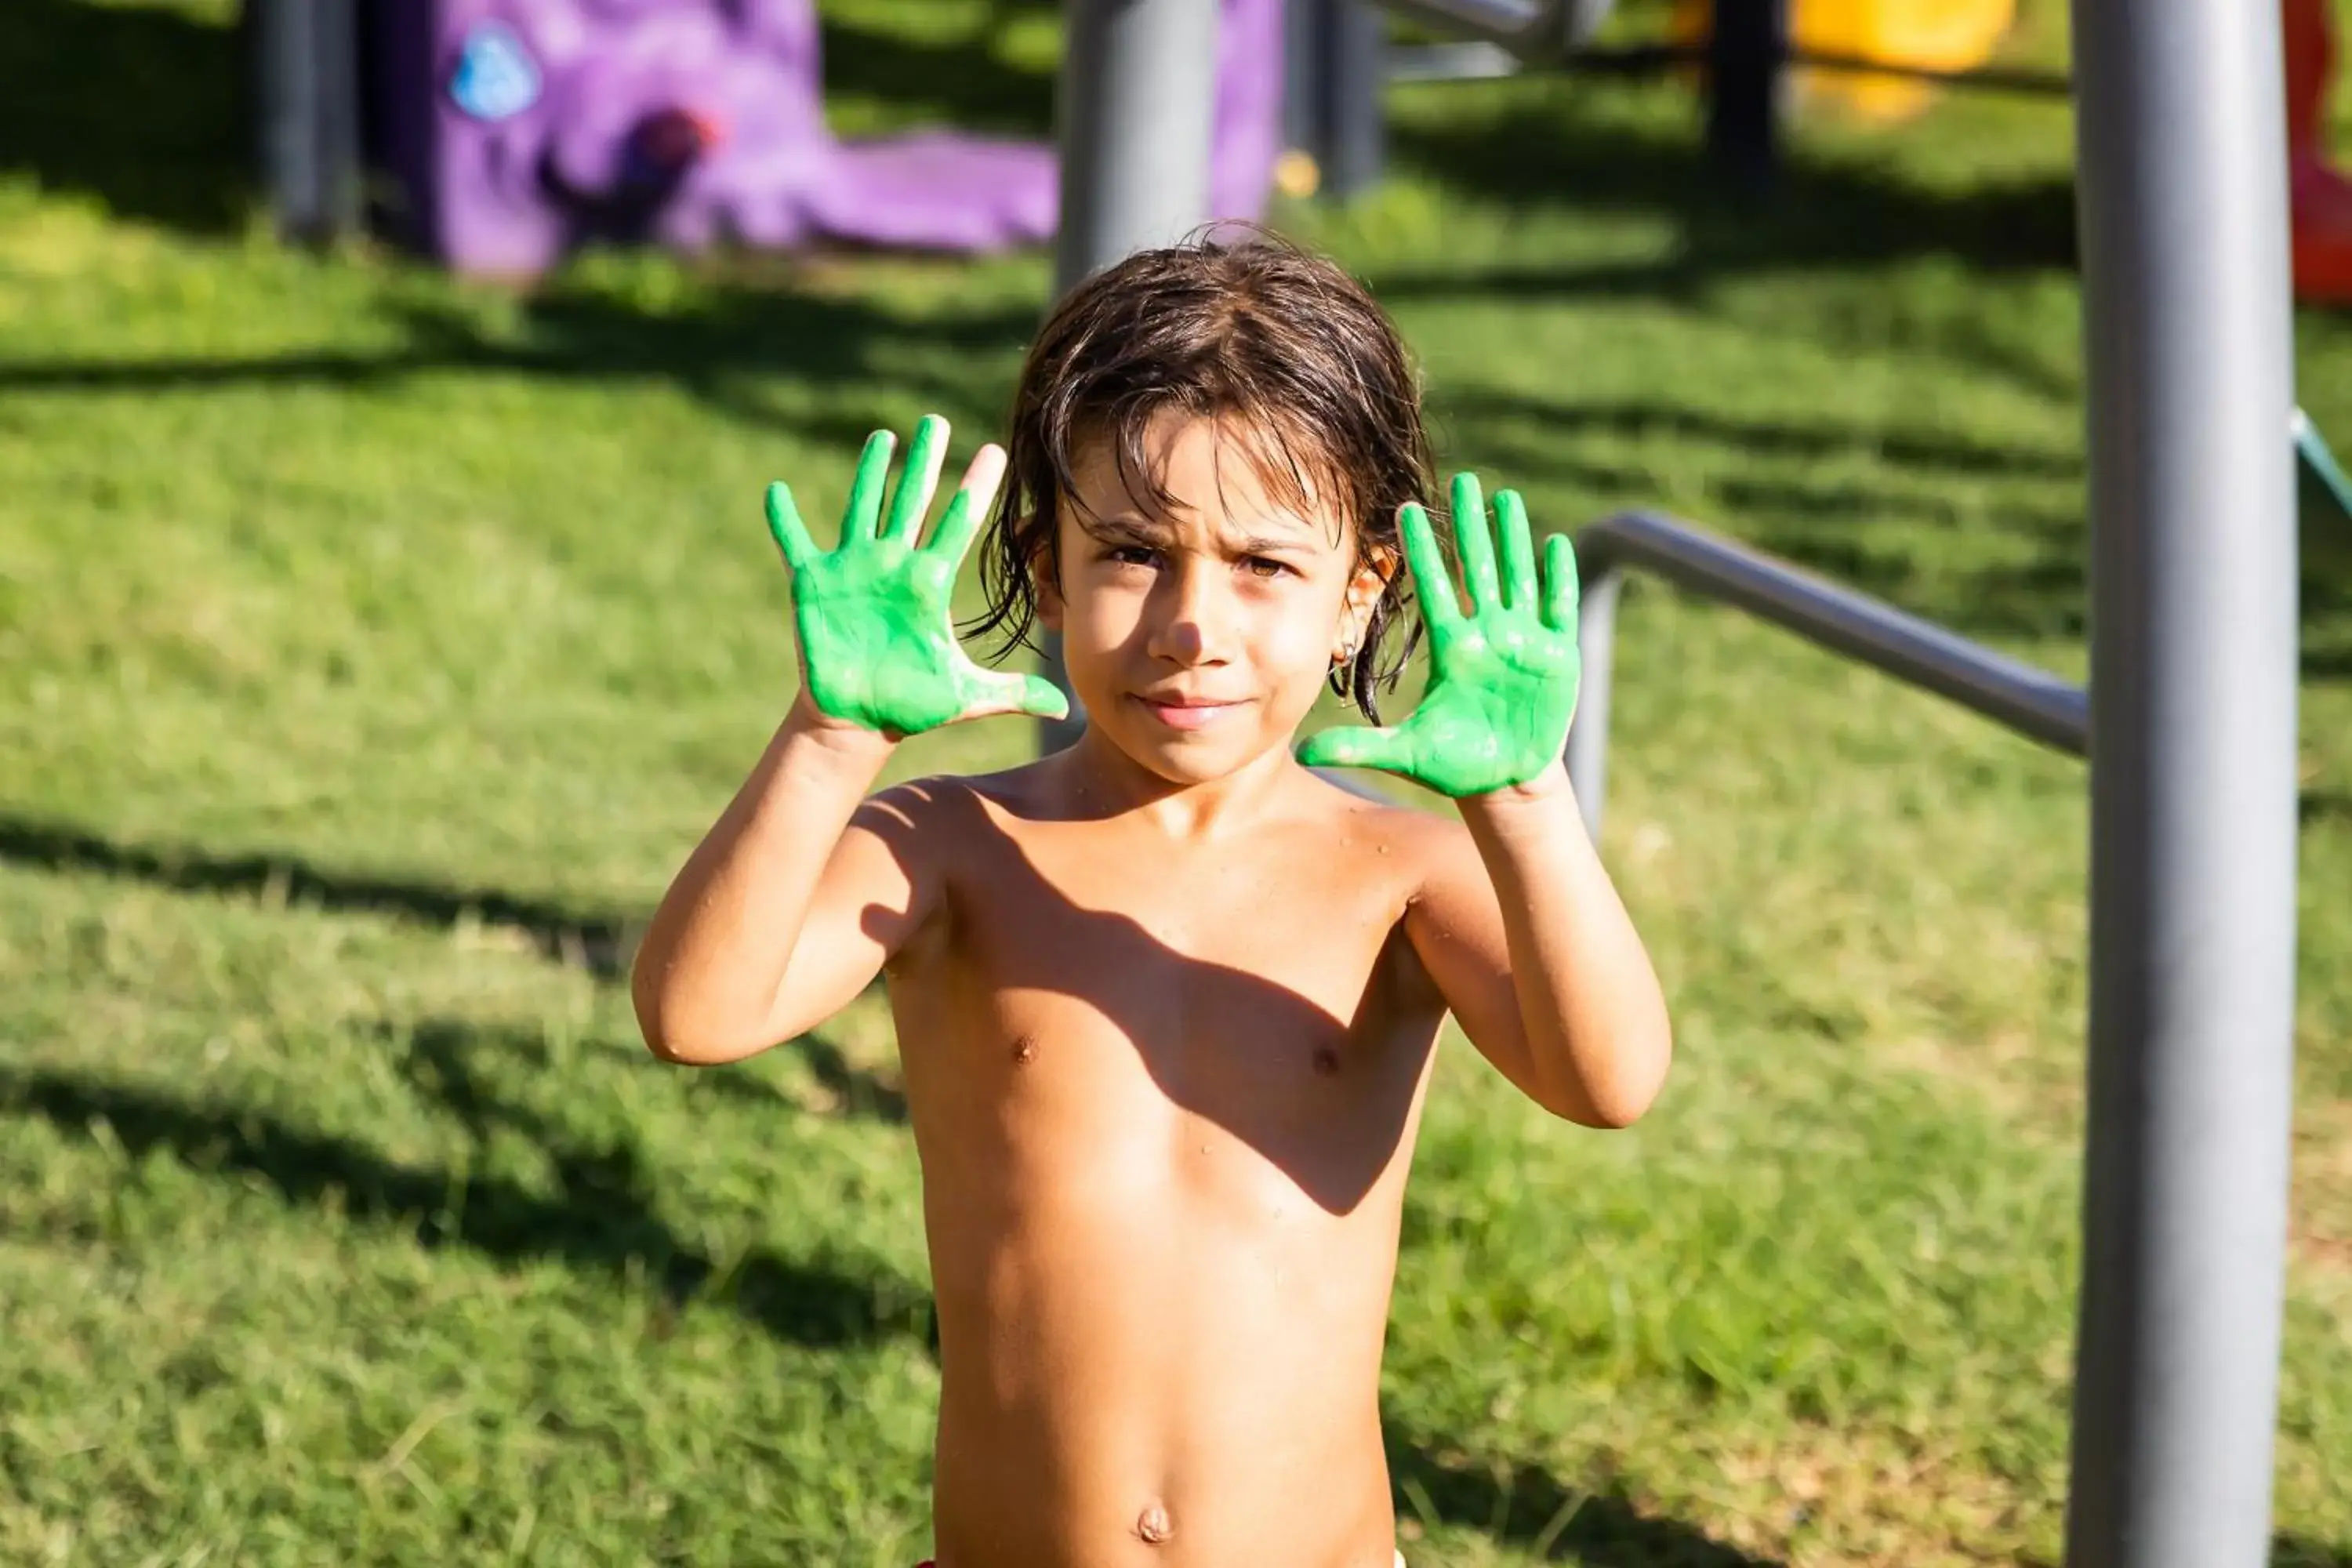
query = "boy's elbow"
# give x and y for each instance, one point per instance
(665, 1044)
(666, 1035)
(694, 1041)
(686, 1050)
(1606, 1113)
(1622, 1097)
(673, 1049)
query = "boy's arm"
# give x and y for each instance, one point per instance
(1525, 938)
(795, 899)
(1534, 954)
(798, 896)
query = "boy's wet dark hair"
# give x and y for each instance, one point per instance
(1242, 325)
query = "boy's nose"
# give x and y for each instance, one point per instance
(1191, 630)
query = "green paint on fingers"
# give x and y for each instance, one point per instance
(1503, 676)
(877, 638)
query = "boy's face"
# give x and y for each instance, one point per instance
(1198, 639)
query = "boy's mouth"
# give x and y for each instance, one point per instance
(1180, 712)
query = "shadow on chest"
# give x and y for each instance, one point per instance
(1295, 1028)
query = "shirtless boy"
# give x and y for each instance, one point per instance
(1165, 1000)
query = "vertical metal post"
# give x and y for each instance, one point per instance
(1136, 109)
(1335, 66)
(2183, 214)
(1747, 45)
(1305, 55)
(1352, 107)
(305, 78)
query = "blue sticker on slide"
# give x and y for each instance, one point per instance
(496, 78)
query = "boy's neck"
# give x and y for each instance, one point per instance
(1101, 781)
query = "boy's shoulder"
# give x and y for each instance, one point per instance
(942, 799)
(1414, 834)
(942, 819)
(957, 806)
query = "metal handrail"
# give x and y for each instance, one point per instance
(1559, 33)
(2032, 702)
(2312, 456)
(1538, 31)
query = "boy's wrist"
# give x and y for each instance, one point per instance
(808, 729)
(1542, 792)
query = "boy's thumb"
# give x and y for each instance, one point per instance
(1041, 698)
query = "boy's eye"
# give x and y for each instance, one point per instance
(1262, 566)
(1131, 555)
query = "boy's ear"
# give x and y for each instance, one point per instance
(1371, 580)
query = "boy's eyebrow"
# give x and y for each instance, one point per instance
(1270, 544)
(1147, 531)
(1123, 527)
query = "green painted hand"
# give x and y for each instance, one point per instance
(1503, 678)
(878, 647)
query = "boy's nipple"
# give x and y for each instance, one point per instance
(1154, 1525)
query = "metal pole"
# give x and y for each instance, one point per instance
(1351, 107)
(1746, 47)
(305, 78)
(1136, 107)
(1335, 66)
(1306, 31)
(2183, 214)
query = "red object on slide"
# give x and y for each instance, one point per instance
(2321, 194)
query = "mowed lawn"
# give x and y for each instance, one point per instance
(372, 647)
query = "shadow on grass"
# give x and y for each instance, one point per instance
(138, 106)
(1921, 449)
(733, 349)
(1524, 1506)
(601, 1221)
(2016, 567)
(1536, 145)
(439, 1055)
(2294, 1552)
(598, 944)
(602, 946)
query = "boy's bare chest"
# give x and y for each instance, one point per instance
(1107, 1007)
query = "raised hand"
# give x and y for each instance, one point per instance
(878, 647)
(1503, 677)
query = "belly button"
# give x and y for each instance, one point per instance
(1154, 1526)
(1024, 1047)
(1326, 1061)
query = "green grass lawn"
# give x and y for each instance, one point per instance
(372, 647)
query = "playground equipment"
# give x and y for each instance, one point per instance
(509, 132)
(2189, 726)
(2321, 194)
(1917, 39)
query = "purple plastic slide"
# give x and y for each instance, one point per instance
(514, 129)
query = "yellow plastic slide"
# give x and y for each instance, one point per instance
(1934, 34)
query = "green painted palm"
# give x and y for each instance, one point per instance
(1503, 677)
(877, 638)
